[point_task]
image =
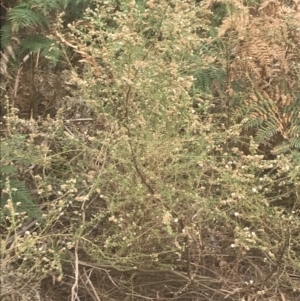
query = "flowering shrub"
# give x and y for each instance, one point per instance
(140, 182)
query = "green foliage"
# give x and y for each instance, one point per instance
(23, 16)
(210, 76)
(29, 23)
(39, 43)
(6, 35)
(268, 124)
(14, 190)
(219, 11)
(139, 174)
(49, 5)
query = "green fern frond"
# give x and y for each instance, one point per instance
(22, 16)
(209, 76)
(266, 132)
(7, 170)
(295, 143)
(46, 6)
(260, 108)
(296, 157)
(19, 195)
(253, 122)
(49, 5)
(6, 35)
(34, 43)
(47, 47)
(30, 15)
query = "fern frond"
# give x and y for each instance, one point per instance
(281, 149)
(22, 16)
(295, 143)
(266, 132)
(209, 76)
(47, 6)
(20, 197)
(6, 35)
(7, 169)
(253, 122)
(34, 43)
(47, 47)
(237, 22)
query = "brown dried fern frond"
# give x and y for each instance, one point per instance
(270, 7)
(265, 59)
(237, 22)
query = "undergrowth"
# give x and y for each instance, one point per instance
(149, 181)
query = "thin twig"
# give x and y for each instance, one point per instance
(75, 285)
(146, 271)
(79, 120)
(69, 131)
(92, 287)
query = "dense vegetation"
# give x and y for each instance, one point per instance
(150, 150)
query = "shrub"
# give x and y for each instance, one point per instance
(142, 180)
